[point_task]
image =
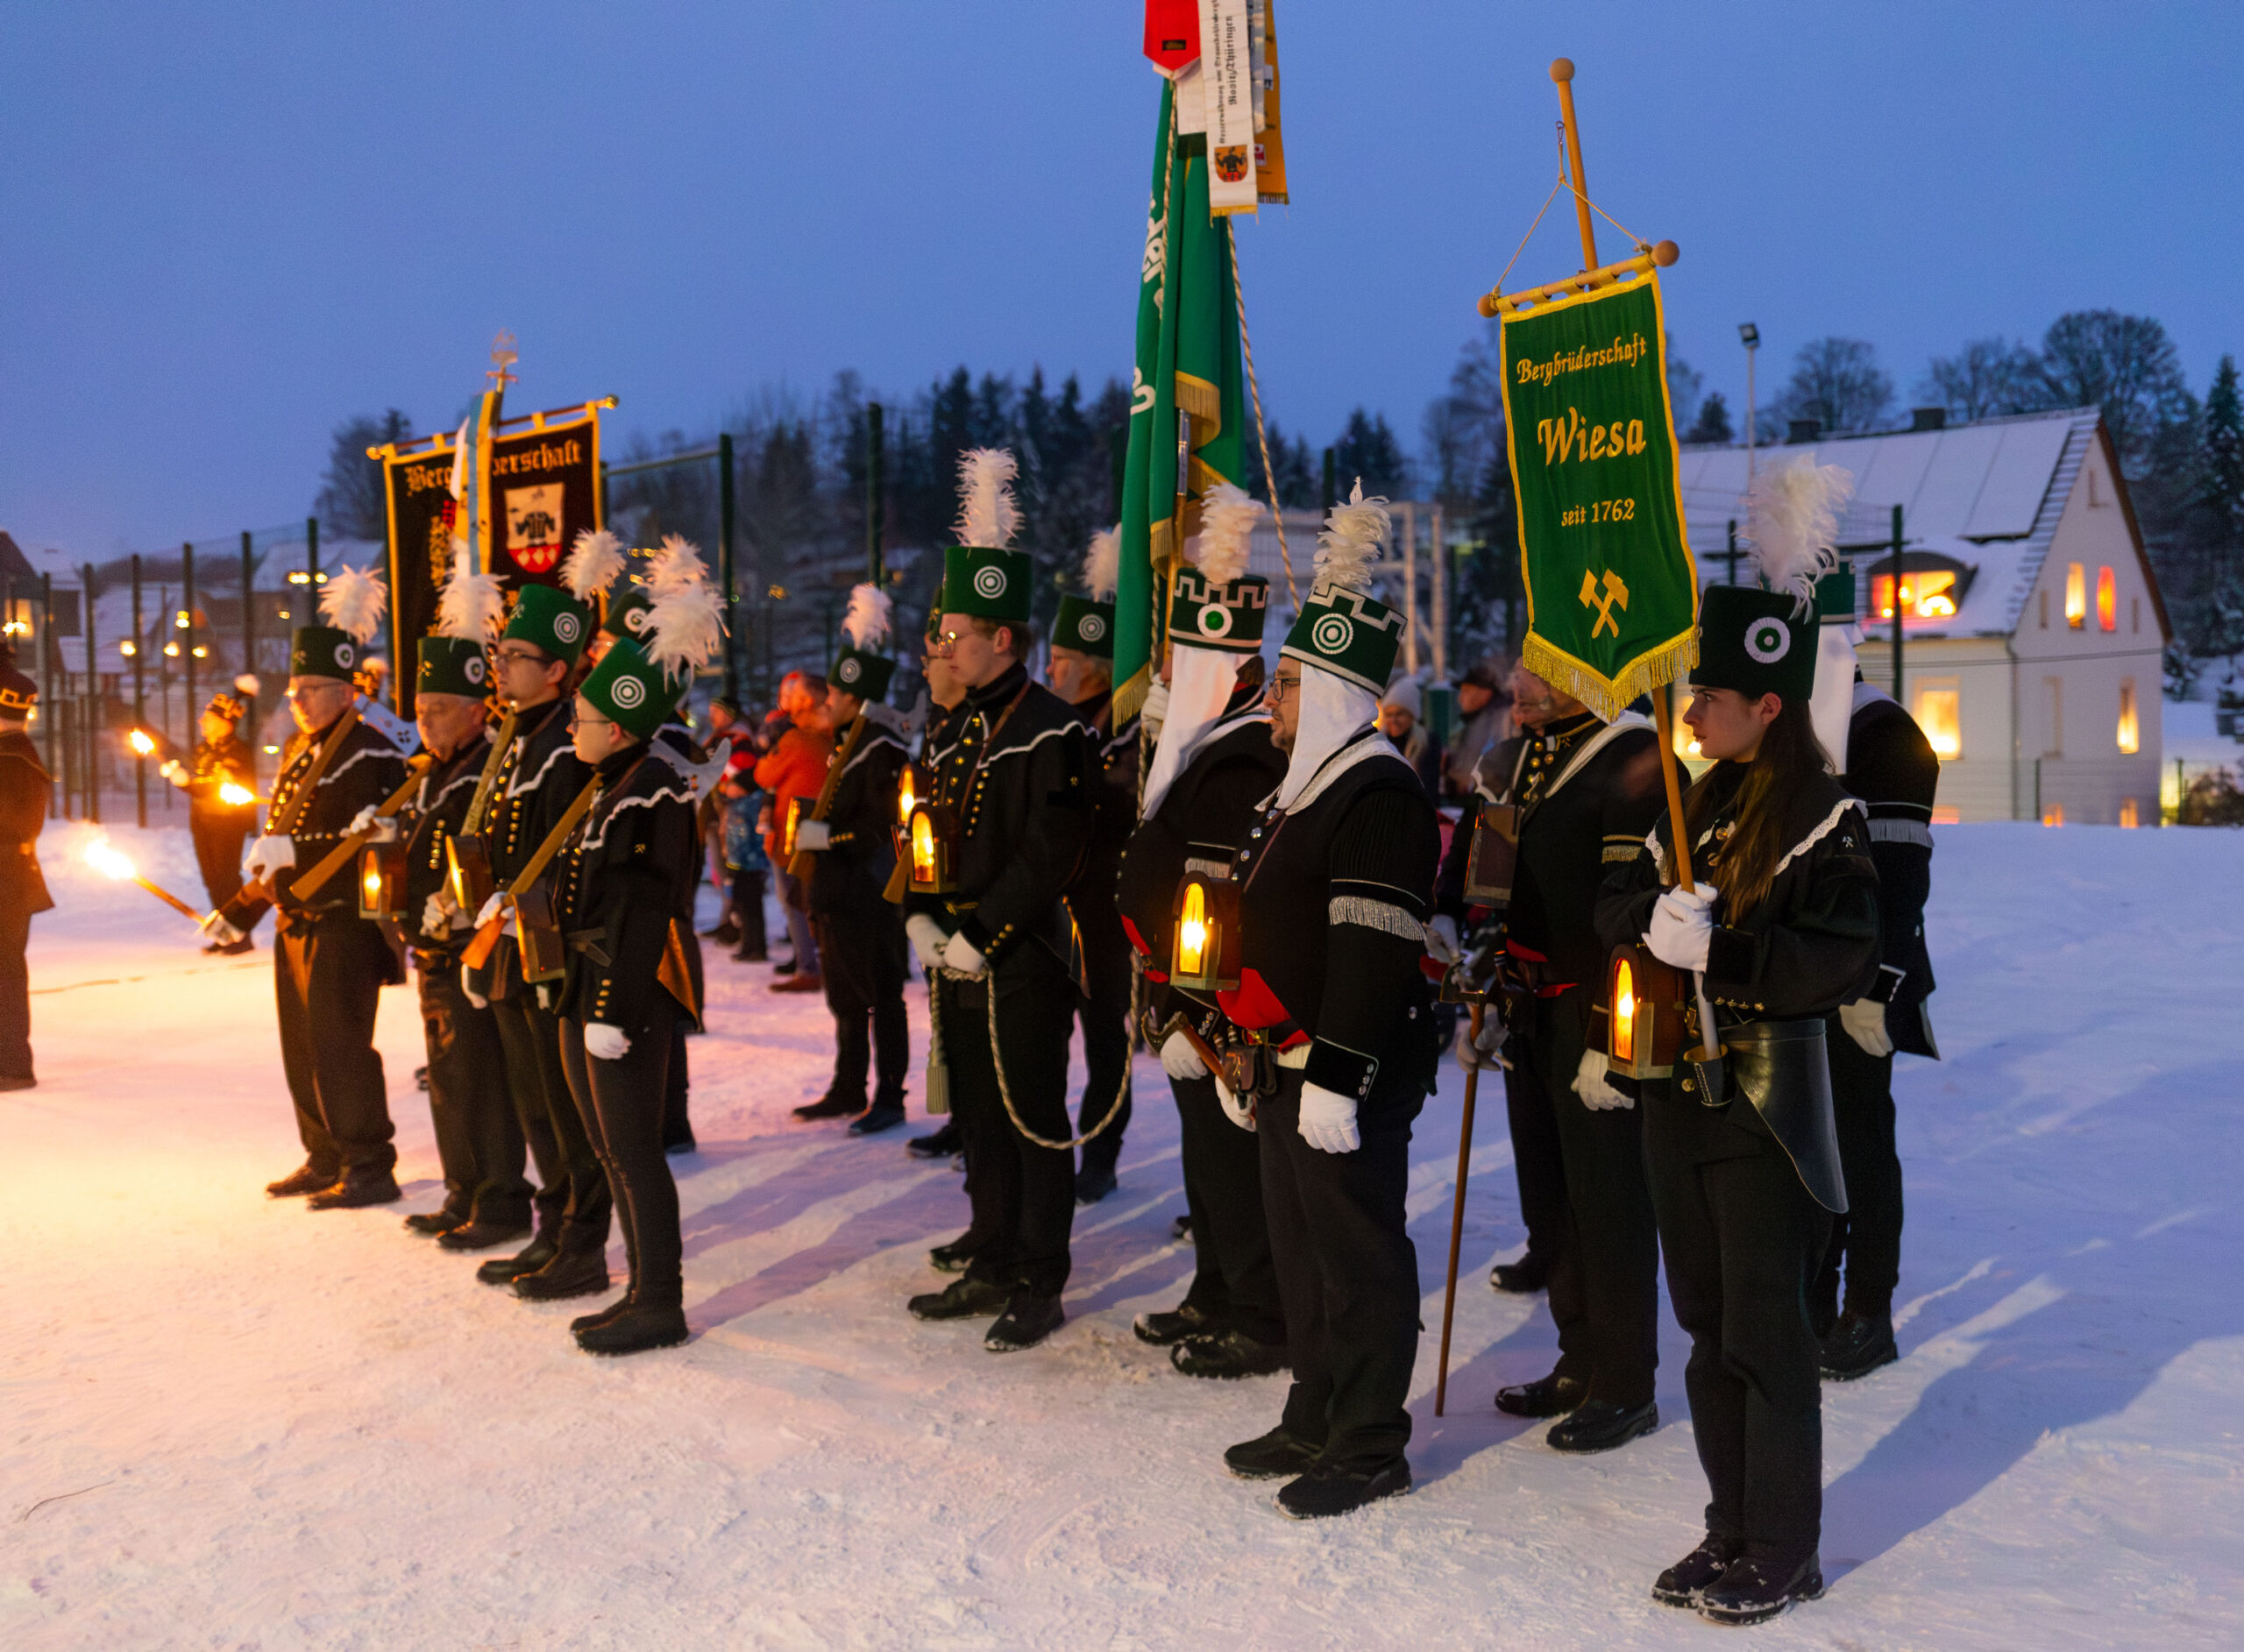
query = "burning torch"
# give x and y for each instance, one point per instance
(107, 860)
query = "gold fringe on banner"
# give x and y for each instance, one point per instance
(1608, 696)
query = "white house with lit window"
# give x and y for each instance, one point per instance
(2032, 627)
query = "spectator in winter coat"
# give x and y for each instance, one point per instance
(739, 803)
(795, 767)
(1482, 708)
(1399, 719)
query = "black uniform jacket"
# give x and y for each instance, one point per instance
(438, 808)
(539, 776)
(24, 788)
(1201, 826)
(617, 888)
(366, 767)
(1892, 768)
(210, 766)
(1332, 913)
(849, 874)
(1808, 947)
(1023, 796)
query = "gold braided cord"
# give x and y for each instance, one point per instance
(998, 1062)
(1263, 436)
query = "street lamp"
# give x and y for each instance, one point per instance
(1749, 336)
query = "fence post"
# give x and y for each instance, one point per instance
(725, 562)
(93, 713)
(876, 492)
(51, 712)
(311, 564)
(140, 700)
(249, 631)
(187, 645)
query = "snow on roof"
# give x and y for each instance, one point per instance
(1988, 493)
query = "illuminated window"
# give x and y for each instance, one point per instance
(1947, 814)
(2130, 731)
(2076, 595)
(2130, 812)
(2107, 601)
(2053, 815)
(1940, 714)
(1925, 595)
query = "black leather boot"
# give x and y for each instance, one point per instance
(507, 1269)
(1599, 1425)
(1328, 1490)
(357, 1190)
(1231, 1355)
(1276, 1455)
(571, 1272)
(638, 1328)
(1551, 1396)
(1682, 1584)
(305, 1178)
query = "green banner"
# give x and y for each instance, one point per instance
(1612, 592)
(1188, 361)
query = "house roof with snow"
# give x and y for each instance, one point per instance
(1989, 494)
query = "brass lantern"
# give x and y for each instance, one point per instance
(381, 880)
(1203, 948)
(1643, 1002)
(1491, 854)
(931, 848)
(795, 807)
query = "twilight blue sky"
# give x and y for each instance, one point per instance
(224, 227)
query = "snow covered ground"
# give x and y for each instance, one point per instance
(225, 1421)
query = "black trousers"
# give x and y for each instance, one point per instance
(573, 1200)
(1536, 1162)
(1236, 1281)
(622, 1102)
(1347, 1272)
(478, 1138)
(677, 1121)
(219, 834)
(15, 991)
(865, 956)
(1742, 1239)
(328, 979)
(1605, 1279)
(1105, 1018)
(1867, 1240)
(1023, 1195)
(748, 909)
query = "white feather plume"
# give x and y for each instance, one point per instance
(684, 628)
(354, 599)
(1227, 519)
(247, 683)
(471, 606)
(866, 623)
(592, 563)
(987, 515)
(674, 566)
(1102, 565)
(1350, 544)
(1792, 517)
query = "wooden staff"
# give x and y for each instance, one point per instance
(329, 864)
(1457, 1214)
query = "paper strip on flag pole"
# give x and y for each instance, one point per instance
(1226, 80)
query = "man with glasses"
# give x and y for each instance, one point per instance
(535, 775)
(331, 964)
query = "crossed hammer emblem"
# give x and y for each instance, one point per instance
(1615, 594)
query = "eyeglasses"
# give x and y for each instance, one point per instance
(312, 691)
(578, 719)
(522, 656)
(1280, 687)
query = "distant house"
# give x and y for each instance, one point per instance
(2033, 629)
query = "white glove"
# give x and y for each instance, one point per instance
(813, 835)
(1328, 1120)
(473, 997)
(1682, 927)
(436, 922)
(605, 1043)
(1441, 940)
(1865, 1020)
(1485, 1053)
(1240, 1113)
(377, 828)
(1590, 1084)
(927, 938)
(959, 953)
(1155, 710)
(492, 908)
(1179, 1060)
(268, 855)
(171, 770)
(222, 932)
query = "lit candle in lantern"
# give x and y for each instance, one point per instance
(1192, 933)
(1204, 957)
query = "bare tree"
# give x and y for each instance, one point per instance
(351, 503)
(1837, 383)
(2125, 364)
(1987, 377)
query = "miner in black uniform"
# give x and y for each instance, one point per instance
(24, 788)
(531, 779)
(479, 1138)
(1213, 766)
(617, 899)
(1011, 796)
(846, 855)
(1892, 768)
(1780, 929)
(1080, 671)
(947, 702)
(329, 964)
(1588, 792)
(221, 763)
(1337, 883)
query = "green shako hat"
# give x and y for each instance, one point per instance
(1764, 642)
(639, 681)
(550, 619)
(469, 609)
(352, 602)
(1342, 627)
(1086, 623)
(1216, 603)
(981, 576)
(861, 668)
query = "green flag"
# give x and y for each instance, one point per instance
(1612, 592)
(1188, 361)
